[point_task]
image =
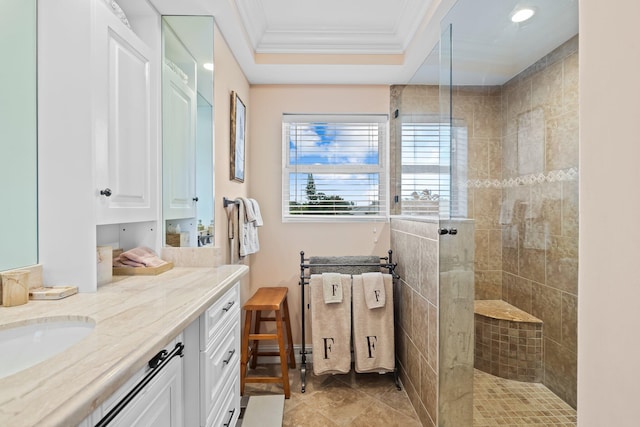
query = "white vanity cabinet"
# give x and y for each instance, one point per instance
(212, 372)
(98, 105)
(160, 403)
(220, 361)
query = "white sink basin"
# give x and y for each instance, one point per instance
(26, 344)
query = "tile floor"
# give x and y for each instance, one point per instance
(366, 400)
(372, 400)
(501, 402)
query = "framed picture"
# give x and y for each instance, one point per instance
(238, 120)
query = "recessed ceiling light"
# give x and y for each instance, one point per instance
(522, 15)
(208, 66)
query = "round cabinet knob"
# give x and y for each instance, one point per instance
(106, 192)
(195, 199)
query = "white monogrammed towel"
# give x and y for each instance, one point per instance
(330, 328)
(332, 288)
(374, 292)
(373, 342)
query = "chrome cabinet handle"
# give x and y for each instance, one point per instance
(106, 192)
(231, 353)
(229, 305)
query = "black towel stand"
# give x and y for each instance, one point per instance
(385, 262)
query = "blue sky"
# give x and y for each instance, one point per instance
(326, 144)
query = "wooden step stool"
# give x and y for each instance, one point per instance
(267, 299)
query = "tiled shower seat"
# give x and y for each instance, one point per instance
(508, 341)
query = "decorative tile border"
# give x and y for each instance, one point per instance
(570, 174)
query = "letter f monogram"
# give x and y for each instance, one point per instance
(327, 346)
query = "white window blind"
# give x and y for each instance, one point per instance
(334, 167)
(433, 158)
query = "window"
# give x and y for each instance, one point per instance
(434, 157)
(334, 167)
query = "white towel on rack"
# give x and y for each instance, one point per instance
(256, 213)
(373, 330)
(247, 230)
(249, 213)
(331, 288)
(330, 328)
(374, 290)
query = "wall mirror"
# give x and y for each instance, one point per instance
(187, 130)
(18, 135)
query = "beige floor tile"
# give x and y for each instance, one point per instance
(497, 402)
(372, 400)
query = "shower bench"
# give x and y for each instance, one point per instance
(508, 341)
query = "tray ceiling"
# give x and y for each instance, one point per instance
(367, 41)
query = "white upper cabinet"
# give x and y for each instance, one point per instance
(179, 133)
(123, 132)
(123, 124)
(98, 133)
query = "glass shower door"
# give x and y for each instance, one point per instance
(456, 255)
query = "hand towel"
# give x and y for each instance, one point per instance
(506, 210)
(373, 339)
(140, 257)
(330, 329)
(510, 237)
(534, 208)
(374, 292)
(247, 231)
(256, 212)
(536, 235)
(249, 213)
(331, 288)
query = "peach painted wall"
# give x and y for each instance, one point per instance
(228, 76)
(277, 263)
(609, 282)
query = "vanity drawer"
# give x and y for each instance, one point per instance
(227, 307)
(227, 410)
(218, 364)
(123, 390)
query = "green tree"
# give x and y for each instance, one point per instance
(311, 188)
(319, 202)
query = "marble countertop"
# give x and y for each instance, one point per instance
(135, 317)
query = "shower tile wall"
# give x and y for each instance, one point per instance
(415, 247)
(434, 328)
(480, 108)
(523, 196)
(539, 209)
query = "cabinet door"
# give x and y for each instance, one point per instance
(179, 147)
(159, 404)
(125, 150)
